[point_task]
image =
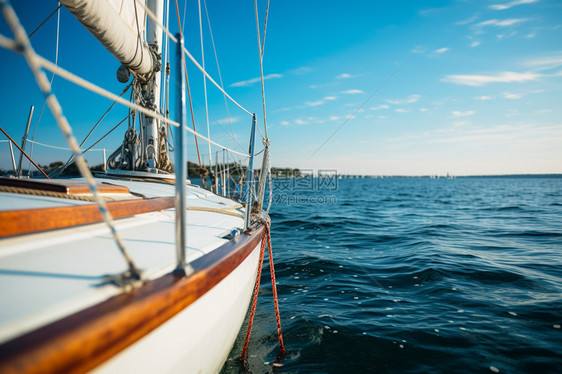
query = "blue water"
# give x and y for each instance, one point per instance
(414, 275)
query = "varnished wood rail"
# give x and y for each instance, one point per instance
(27, 221)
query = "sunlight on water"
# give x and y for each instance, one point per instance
(416, 275)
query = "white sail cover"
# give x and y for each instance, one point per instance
(119, 26)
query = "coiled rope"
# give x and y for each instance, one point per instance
(266, 237)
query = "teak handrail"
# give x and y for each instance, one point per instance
(27, 221)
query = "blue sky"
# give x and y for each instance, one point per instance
(479, 91)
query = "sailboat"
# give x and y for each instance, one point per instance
(135, 269)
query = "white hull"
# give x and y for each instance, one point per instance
(199, 339)
(186, 325)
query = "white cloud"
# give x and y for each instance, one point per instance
(315, 103)
(379, 107)
(502, 23)
(316, 120)
(466, 21)
(345, 76)
(352, 92)
(424, 110)
(327, 98)
(334, 118)
(545, 63)
(511, 4)
(506, 35)
(250, 82)
(480, 80)
(226, 121)
(512, 96)
(441, 50)
(409, 100)
(461, 123)
(299, 121)
(516, 96)
(458, 113)
(418, 49)
(402, 110)
(483, 97)
(474, 44)
(543, 111)
(285, 123)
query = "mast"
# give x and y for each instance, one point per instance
(120, 26)
(151, 135)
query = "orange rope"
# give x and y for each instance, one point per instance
(274, 287)
(188, 90)
(254, 300)
(266, 237)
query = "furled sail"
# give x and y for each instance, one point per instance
(119, 26)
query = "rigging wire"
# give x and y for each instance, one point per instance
(107, 111)
(61, 148)
(50, 83)
(44, 21)
(187, 82)
(218, 123)
(60, 169)
(103, 137)
(25, 154)
(34, 63)
(265, 26)
(204, 83)
(219, 72)
(102, 92)
(261, 61)
(165, 64)
(190, 56)
(361, 106)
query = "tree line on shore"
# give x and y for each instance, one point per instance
(235, 170)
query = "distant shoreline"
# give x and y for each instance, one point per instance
(358, 176)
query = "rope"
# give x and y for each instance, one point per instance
(215, 210)
(100, 91)
(33, 60)
(10, 44)
(266, 237)
(25, 154)
(156, 21)
(254, 301)
(261, 59)
(51, 83)
(219, 72)
(188, 89)
(204, 83)
(61, 195)
(274, 288)
(55, 147)
(217, 122)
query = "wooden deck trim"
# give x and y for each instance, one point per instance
(82, 341)
(27, 221)
(66, 186)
